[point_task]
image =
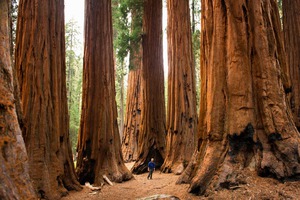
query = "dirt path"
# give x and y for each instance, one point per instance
(139, 187)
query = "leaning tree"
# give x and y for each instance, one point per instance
(151, 138)
(182, 114)
(99, 146)
(15, 182)
(245, 121)
(41, 70)
(291, 29)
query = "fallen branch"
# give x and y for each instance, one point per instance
(91, 187)
(107, 180)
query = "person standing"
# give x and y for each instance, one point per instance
(151, 168)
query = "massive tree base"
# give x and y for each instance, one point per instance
(244, 120)
(221, 164)
(141, 166)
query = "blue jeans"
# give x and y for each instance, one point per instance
(150, 174)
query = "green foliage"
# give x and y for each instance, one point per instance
(74, 78)
(195, 23)
(127, 21)
(280, 12)
(13, 15)
(127, 24)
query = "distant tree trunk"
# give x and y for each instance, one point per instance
(14, 176)
(182, 111)
(133, 108)
(70, 71)
(193, 16)
(99, 146)
(40, 53)
(245, 122)
(134, 98)
(291, 28)
(11, 9)
(151, 139)
(122, 101)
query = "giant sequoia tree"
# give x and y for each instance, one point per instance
(133, 109)
(134, 95)
(99, 148)
(14, 176)
(151, 139)
(182, 114)
(245, 121)
(291, 28)
(40, 61)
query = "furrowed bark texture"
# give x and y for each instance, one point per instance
(245, 121)
(182, 114)
(14, 176)
(40, 63)
(151, 139)
(99, 146)
(291, 29)
(133, 108)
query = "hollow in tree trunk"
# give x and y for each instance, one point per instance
(291, 24)
(245, 122)
(182, 114)
(40, 63)
(99, 147)
(15, 182)
(151, 139)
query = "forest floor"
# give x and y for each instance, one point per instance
(164, 184)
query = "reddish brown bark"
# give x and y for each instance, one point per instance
(14, 176)
(133, 109)
(245, 122)
(291, 28)
(134, 97)
(182, 114)
(40, 53)
(151, 139)
(99, 148)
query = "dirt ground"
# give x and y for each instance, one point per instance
(140, 188)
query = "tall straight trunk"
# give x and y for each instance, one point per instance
(133, 107)
(182, 114)
(99, 146)
(151, 139)
(193, 16)
(134, 96)
(14, 176)
(40, 62)
(291, 29)
(122, 101)
(245, 122)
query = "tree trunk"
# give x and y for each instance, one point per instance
(14, 176)
(151, 139)
(122, 101)
(291, 24)
(133, 107)
(40, 53)
(245, 122)
(99, 146)
(134, 96)
(193, 16)
(12, 32)
(182, 114)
